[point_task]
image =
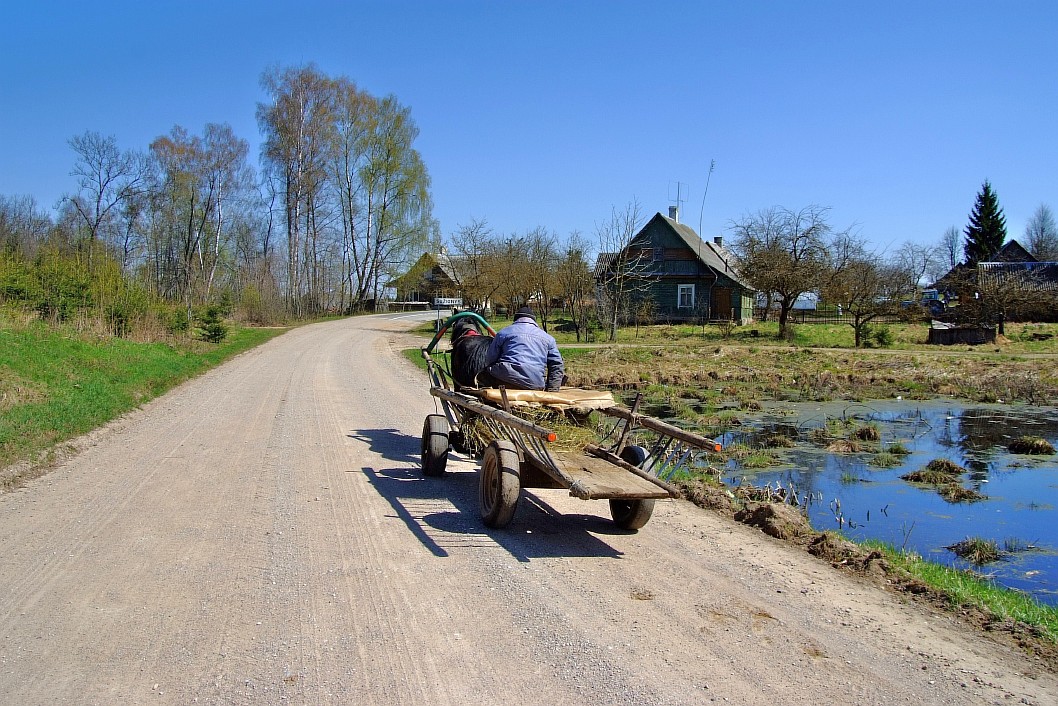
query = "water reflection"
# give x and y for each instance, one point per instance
(868, 501)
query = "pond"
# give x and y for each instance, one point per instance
(864, 501)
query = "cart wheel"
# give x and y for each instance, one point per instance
(632, 514)
(499, 484)
(434, 445)
(458, 442)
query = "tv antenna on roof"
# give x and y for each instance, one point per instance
(679, 197)
(712, 166)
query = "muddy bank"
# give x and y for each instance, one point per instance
(788, 524)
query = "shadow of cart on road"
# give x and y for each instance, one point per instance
(443, 513)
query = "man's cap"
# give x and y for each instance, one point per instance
(523, 312)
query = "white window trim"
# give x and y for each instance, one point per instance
(680, 289)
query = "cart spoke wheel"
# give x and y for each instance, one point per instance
(499, 483)
(434, 445)
(632, 514)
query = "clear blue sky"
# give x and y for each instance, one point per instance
(551, 113)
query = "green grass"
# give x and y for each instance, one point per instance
(415, 356)
(963, 588)
(57, 385)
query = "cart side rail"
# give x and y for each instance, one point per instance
(671, 451)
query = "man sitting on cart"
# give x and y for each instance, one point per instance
(523, 356)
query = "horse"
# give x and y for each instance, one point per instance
(469, 348)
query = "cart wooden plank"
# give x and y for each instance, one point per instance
(594, 478)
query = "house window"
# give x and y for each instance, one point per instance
(685, 296)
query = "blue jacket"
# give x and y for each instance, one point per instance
(525, 356)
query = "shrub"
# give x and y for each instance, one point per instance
(882, 336)
(210, 327)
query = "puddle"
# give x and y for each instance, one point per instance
(869, 502)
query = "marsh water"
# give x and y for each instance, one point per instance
(845, 491)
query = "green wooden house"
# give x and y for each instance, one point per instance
(432, 275)
(679, 276)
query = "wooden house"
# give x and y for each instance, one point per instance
(432, 276)
(680, 276)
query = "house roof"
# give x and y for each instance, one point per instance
(1042, 276)
(1011, 252)
(602, 263)
(712, 255)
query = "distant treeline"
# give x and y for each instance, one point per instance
(338, 206)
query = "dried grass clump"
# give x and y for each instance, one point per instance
(955, 493)
(778, 441)
(845, 446)
(820, 435)
(885, 460)
(939, 471)
(1031, 445)
(868, 432)
(976, 550)
(928, 477)
(943, 465)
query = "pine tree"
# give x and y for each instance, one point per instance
(987, 230)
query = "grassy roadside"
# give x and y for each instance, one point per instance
(56, 385)
(708, 382)
(964, 589)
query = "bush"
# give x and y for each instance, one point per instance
(882, 336)
(210, 327)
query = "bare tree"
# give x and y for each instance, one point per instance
(950, 247)
(866, 286)
(107, 177)
(916, 261)
(576, 285)
(201, 178)
(785, 254)
(23, 226)
(622, 271)
(474, 264)
(510, 259)
(542, 264)
(1041, 235)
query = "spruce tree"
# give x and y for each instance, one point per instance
(987, 230)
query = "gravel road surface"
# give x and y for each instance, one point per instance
(262, 535)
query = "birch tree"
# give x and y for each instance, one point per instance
(294, 125)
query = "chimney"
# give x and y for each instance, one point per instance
(719, 241)
(674, 213)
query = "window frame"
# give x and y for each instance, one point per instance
(680, 289)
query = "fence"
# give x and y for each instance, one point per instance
(826, 316)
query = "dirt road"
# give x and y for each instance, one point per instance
(262, 535)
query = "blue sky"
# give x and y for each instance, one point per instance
(552, 113)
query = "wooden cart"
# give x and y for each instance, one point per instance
(630, 466)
